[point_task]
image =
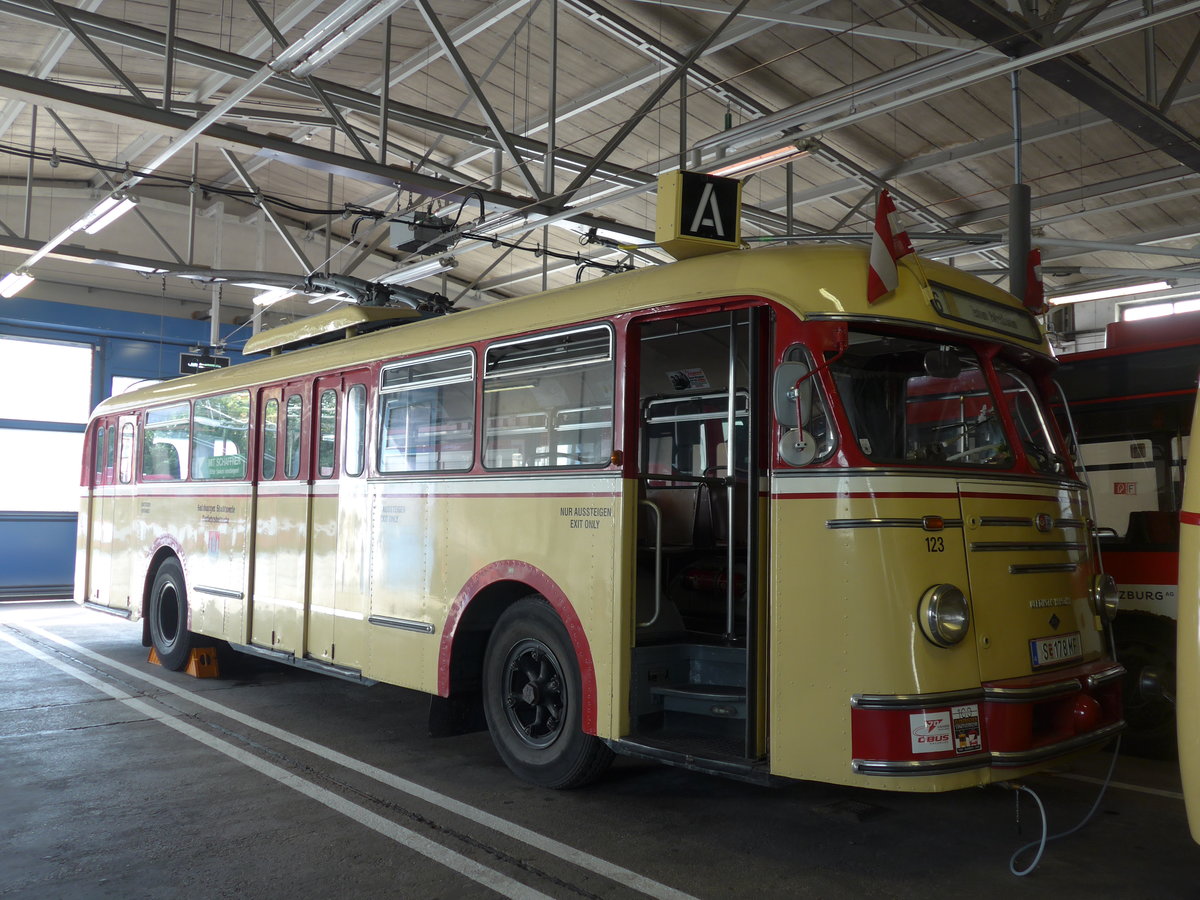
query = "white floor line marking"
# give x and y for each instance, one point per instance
(477, 872)
(512, 830)
(1122, 785)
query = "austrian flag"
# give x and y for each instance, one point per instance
(888, 244)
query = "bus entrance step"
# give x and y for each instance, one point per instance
(202, 662)
(721, 700)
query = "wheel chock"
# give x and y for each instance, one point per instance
(202, 662)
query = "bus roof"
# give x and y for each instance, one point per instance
(823, 280)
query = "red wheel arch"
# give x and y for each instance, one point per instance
(515, 570)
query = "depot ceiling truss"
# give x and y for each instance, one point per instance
(1046, 40)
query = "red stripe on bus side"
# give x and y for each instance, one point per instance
(537, 495)
(515, 570)
(868, 495)
(1189, 518)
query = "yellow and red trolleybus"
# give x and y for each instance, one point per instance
(722, 513)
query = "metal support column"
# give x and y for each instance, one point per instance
(1018, 207)
(169, 56)
(33, 111)
(385, 91)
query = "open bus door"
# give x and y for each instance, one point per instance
(697, 667)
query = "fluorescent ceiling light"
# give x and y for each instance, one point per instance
(122, 207)
(275, 295)
(15, 282)
(766, 160)
(104, 213)
(1125, 291)
(420, 270)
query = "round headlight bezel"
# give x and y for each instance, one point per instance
(1106, 597)
(945, 615)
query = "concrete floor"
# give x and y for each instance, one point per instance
(120, 779)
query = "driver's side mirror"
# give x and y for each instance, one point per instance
(792, 394)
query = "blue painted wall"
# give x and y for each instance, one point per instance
(37, 549)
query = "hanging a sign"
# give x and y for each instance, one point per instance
(698, 213)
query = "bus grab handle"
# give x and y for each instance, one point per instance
(657, 562)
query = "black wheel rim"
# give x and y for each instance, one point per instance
(168, 615)
(535, 693)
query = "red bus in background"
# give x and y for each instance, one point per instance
(1131, 404)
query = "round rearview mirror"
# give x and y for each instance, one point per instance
(797, 447)
(942, 364)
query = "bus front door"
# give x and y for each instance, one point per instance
(697, 667)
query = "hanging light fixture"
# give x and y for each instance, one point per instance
(420, 270)
(15, 282)
(780, 155)
(1107, 293)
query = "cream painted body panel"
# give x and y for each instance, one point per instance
(429, 539)
(337, 630)
(208, 527)
(1187, 705)
(281, 567)
(829, 542)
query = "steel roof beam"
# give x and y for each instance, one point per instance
(918, 38)
(1071, 73)
(273, 147)
(464, 72)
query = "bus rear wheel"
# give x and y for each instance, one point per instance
(168, 616)
(532, 698)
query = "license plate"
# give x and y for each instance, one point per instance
(1050, 651)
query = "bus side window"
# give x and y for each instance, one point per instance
(548, 401)
(126, 452)
(427, 415)
(110, 454)
(166, 437)
(291, 436)
(327, 433)
(270, 438)
(219, 436)
(99, 463)
(356, 429)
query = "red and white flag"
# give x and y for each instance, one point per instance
(889, 243)
(1035, 289)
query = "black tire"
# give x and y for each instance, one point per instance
(168, 614)
(1146, 647)
(533, 699)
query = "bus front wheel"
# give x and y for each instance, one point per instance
(533, 699)
(168, 616)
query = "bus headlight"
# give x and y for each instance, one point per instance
(1105, 596)
(945, 615)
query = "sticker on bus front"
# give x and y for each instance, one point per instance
(967, 735)
(930, 731)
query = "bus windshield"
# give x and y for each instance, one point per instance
(922, 402)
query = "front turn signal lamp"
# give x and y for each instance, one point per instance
(945, 615)
(1105, 596)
